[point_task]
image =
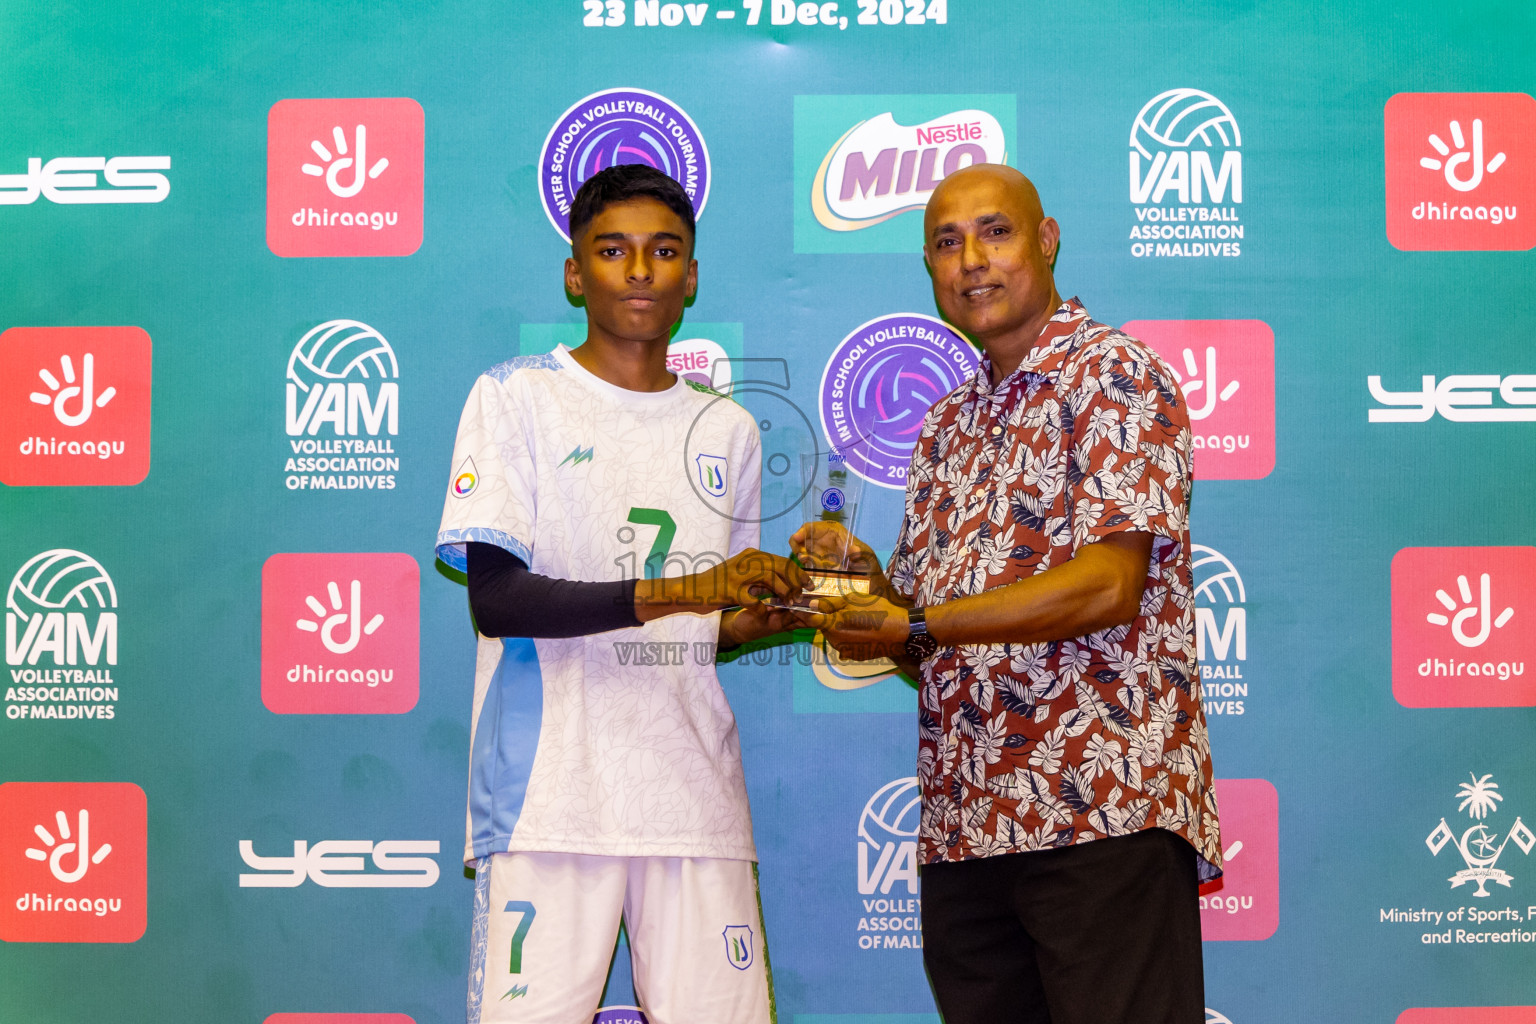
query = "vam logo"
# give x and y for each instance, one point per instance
(342, 409)
(74, 406)
(1221, 631)
(1226, 369)
(1186, 152)
(1245, 904)
(72, 180)
(861, 162)
(340, 633)
(344, 177)
(1479, 847)
(1460, 627)
(887, 867)
(339, 864)
(72, 861)
(1458, 168)
(61, 638)
(1460, 398)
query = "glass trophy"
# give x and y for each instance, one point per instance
(833, 494)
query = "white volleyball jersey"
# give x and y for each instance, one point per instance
(620, 743)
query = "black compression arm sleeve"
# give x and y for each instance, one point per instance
(509, 600)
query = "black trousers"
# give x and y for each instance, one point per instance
(1103, 933)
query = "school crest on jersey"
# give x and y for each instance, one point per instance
(712, 474)
(738, 946)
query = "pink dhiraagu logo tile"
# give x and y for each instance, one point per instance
(74, 406)
(340, 634)
(73, 862)
(344, 177)
(339, 1018)
(1227, 371)
(1468, 1015)
(1464, 627)
(1246, 903)
(1461, 170)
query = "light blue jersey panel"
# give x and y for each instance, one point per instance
(506, 741)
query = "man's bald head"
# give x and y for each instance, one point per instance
(1009, 180)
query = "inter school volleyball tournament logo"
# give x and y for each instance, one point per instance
(620, 126)
(1245, 905)
(340, 634)
(344, 177)
(1480, 845)
(342, 410)
(1226, 369)
(1462, 631)
(73, 862)
(1221, 631)
(881, 381)
(74, 409)
(61, 639)
(865, 166)
(1459, 166)
(1186, 164)
(889, 907)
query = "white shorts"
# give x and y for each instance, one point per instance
(545, 925)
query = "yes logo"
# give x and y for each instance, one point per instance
(74, 406)
(1461, 627)
(1245, 904)
(344, 177)
(1459, 166)
(1226, 369)
(338, 864)
(340, 633)
(72, 861)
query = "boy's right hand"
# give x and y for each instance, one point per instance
(749, 577)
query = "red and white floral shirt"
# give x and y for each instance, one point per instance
(1030, 746)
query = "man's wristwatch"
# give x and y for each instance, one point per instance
(920, 646)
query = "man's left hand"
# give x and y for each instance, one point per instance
(862, 627)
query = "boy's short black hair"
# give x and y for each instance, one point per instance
(621, 183)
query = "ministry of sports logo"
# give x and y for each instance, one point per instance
(1458, 168)
(73, 861)
(620, 126)
(1461, 633)
(863, 162)
(1221, 631)
(1479, 846)
(342, 409)
(887, 867)
(340, 633)
(345, 177)
(1226, 369)
(1186, 168)
(881, 381)
(61, 638)
(74, 406)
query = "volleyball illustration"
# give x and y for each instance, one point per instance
(1214, 572)
(341, 349)
(59, 579)
(892, 813)
(1179, 118)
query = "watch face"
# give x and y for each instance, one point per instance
(921, 646)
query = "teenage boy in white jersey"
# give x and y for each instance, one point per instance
(605, 769)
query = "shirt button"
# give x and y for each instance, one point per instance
(997, 431)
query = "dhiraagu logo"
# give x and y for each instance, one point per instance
(866, 165)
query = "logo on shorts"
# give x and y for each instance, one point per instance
(711, 474)
(1458, 167)
(1480, 848)
(1461, 633)
(340, 634)
(344, 177)
(865, 166)
(342, 409)
(738, 946)
(72, 861)
(1226, 369)
(1245, 905)
(1186, 177)
(620, 126)
(881, 381)
(74, 409)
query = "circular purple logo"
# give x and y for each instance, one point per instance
(620, 126)
(880, 382)
(620, 1015)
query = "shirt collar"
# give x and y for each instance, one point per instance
(1055, 337)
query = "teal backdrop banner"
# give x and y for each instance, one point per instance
(256, 255)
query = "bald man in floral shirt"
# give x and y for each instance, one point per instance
(1041, 591)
